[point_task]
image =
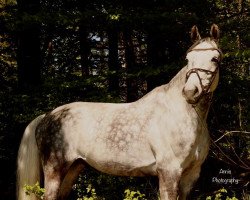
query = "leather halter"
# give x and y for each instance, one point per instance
(205, 89)
(207, 49)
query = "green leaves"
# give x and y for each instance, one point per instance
(221, 194)
(34, 189)
(133, 195)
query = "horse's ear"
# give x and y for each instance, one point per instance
(215, 32)
(195, 35)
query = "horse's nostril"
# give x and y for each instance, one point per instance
(196, 91)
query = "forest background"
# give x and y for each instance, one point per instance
(61, 51)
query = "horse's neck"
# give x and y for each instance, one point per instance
(168, 93)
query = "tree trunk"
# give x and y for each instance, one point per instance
(113, 61)
(29, 52)
(84, 50)
(132, 85)
(153, 60)
(47, 51)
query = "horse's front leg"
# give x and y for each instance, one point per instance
(168, 184)
(187, 180)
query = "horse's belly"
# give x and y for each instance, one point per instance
(124, 169)
(132, 161)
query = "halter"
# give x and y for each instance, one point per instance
(205, 89)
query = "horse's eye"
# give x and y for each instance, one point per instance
(215, 60)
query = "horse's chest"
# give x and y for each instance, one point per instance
(198, 151)
(190, 144)
(202, 147)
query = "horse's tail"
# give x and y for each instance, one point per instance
(28, 162)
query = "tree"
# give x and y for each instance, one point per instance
(29, 52)
(132, 83)
(84, 49)
(113, 58)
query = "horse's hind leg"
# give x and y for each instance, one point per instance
(70, 178)
(58, 180)
(55, 169)
(52, 182)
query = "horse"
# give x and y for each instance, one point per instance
(162, 134)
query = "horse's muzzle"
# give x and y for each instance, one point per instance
(191, 96)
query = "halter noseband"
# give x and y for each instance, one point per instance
(197, 70)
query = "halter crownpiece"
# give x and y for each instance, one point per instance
(192, 48)
(207, 49)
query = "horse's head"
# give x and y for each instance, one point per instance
(203, 58)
